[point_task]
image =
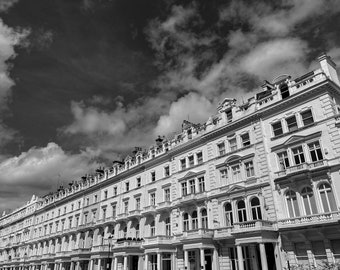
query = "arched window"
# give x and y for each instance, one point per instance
(327, 198)
(152, 228)
(185, 222)
(242, 212)
(167, 226)
(113, 232)
(308, 201)
(228, 212)
(194, 220)
(292, 204)
(137, 230)
(204, 216)
(256, 208)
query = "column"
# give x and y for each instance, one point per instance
(240, 257)
(202, 259)
(215, 259)
(112, 264)
(309, 253)
(264, 264)
(125, 263)
(277, 253)
(61, 266)
(158, 261)
(146, 262)
(99, 264)
(186, 259)
(115, 267)
(91, 264)
(77, 265)
(329, 253)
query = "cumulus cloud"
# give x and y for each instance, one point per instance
(39, 171)
(5, 5)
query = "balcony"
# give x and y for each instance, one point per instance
(62, 254)
(122, 216)
(157, 240)
(149, 210)
(109, 220)
(87, 225)
(101, 248)
(310, 220)
(164, 206)
(253, 226)
(197, 234)
(192, 198)
(135, 213)
(223, 232)
(301, 168)
(127, 243)
(80, 251)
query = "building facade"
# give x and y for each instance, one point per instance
(255, 187)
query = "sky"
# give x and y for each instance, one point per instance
(83, 82)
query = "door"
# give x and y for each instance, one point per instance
(208, 262)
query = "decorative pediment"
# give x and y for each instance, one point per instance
(191, 174)
(235, 188)
(295, 139)
(233, 158)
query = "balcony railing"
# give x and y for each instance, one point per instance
(135, 213)
(157, 240)
(302, 167)
(223, 232)
(128, 242)
(163, 205)
(149, 209)
(193, 197)
(122, 216)
(81, 251)
(309, 220)
(253, 225)
(198, 234)
(101, 248)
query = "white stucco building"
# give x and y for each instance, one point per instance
(255, 187)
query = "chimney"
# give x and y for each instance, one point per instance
(329, 67)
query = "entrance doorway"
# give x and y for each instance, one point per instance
(134, 262)
(270, 255)
(208, 262)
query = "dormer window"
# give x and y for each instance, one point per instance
(229, 115)
(284, 89)
(189, 134)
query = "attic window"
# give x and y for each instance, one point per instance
(189, 134)
(284, 90)
(229, 115)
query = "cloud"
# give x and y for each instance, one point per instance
(5, 5)
(39, 171)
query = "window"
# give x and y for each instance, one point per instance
(115, 191)
(184, 189)
(189, 134)
(255, 208)
(233, 144)
(139, 181)
(126, 207)
(291, 123)
(236, 173)
(127, 186)
(199, 157)
(204, 216)
(221, 149)
(191, 161)
(249, 167)
(153, 176)
(65, 210)
(105, 194)
(229, 114)
(152, 198)
(315, 151)
(185, 222)
(307, 117)
(95, 198)
(114, 210)
(166, 171)
(201, 184)
(277, 128)
(245, 139)
(138, 203)
(192, 186)
(284, 89)
(79, 204)
(137, 231)
(241, 210)
(167, 227)
(152, 228)
(298, 155)
(183, 164)
(308, 199)
(72, 208)
(228, 214)
(167, 194)
(224, 173)
(283, 160)
(194, 220)
(327, 198)
(292, 204)
(104, 213)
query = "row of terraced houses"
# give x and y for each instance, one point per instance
(255, 187)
